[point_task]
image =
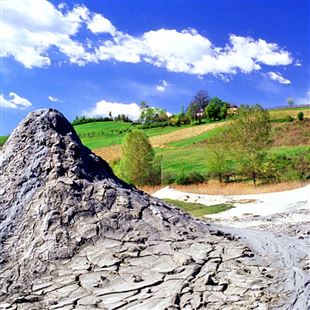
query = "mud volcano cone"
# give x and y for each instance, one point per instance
(73, 236)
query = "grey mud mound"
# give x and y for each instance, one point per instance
(73, 236)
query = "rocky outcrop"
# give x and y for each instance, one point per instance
(73, 236)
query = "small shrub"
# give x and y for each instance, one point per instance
(300, 116)
(168, 178)
(301, 165)
(191, 178)
(289, 118)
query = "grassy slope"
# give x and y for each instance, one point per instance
(279, 114)
(103, 134)
(191, 154)
(197, 209)
(3, 139)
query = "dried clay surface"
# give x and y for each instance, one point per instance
(73, 236)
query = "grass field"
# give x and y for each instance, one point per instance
(113, 152)
(99, 135)
(197, 209)
(3, 139)
(183, 160)
(279, 114)
(103, 134)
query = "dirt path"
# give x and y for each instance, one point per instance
(113, 152)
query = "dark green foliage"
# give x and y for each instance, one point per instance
(168, 178)
(300, 116)
(84, 120)
(216, 109)
(191, 178)
(122, 118)
(289, 118)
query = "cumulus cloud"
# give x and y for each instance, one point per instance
(189, 52)
(161, 87)
(276, 76)
(14, 101)
(31, 30)
(53, 99)
(103, 108)
(100, 24)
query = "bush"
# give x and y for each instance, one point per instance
(191, 178)
(300, 116)
(168, 178)
(301, 165)
(289, 118)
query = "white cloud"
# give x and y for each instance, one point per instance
(276, 76)
(32, 30)
(14, 102)
(53, 99)
(103, 108)
(100, 24)
(161, 87)
(189, 52)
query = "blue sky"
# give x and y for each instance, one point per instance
(93, 57)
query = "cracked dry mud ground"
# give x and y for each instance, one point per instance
(73, 236)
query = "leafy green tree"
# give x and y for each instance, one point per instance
(137, 164)
(216, 109)
(196, 109)
(218, 154)
(150, 115)
(251, 139)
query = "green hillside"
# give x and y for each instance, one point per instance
(291, 139)
(101, 134)
(3, 139)
(189, 152)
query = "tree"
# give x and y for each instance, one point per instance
(216, 109)
(251, 138)
(290, 101)
(196, 108)
(218, 154)
(137, 163)
(150, 115)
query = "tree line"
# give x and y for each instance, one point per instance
(202, 107)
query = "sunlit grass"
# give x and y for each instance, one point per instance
(197, 209)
